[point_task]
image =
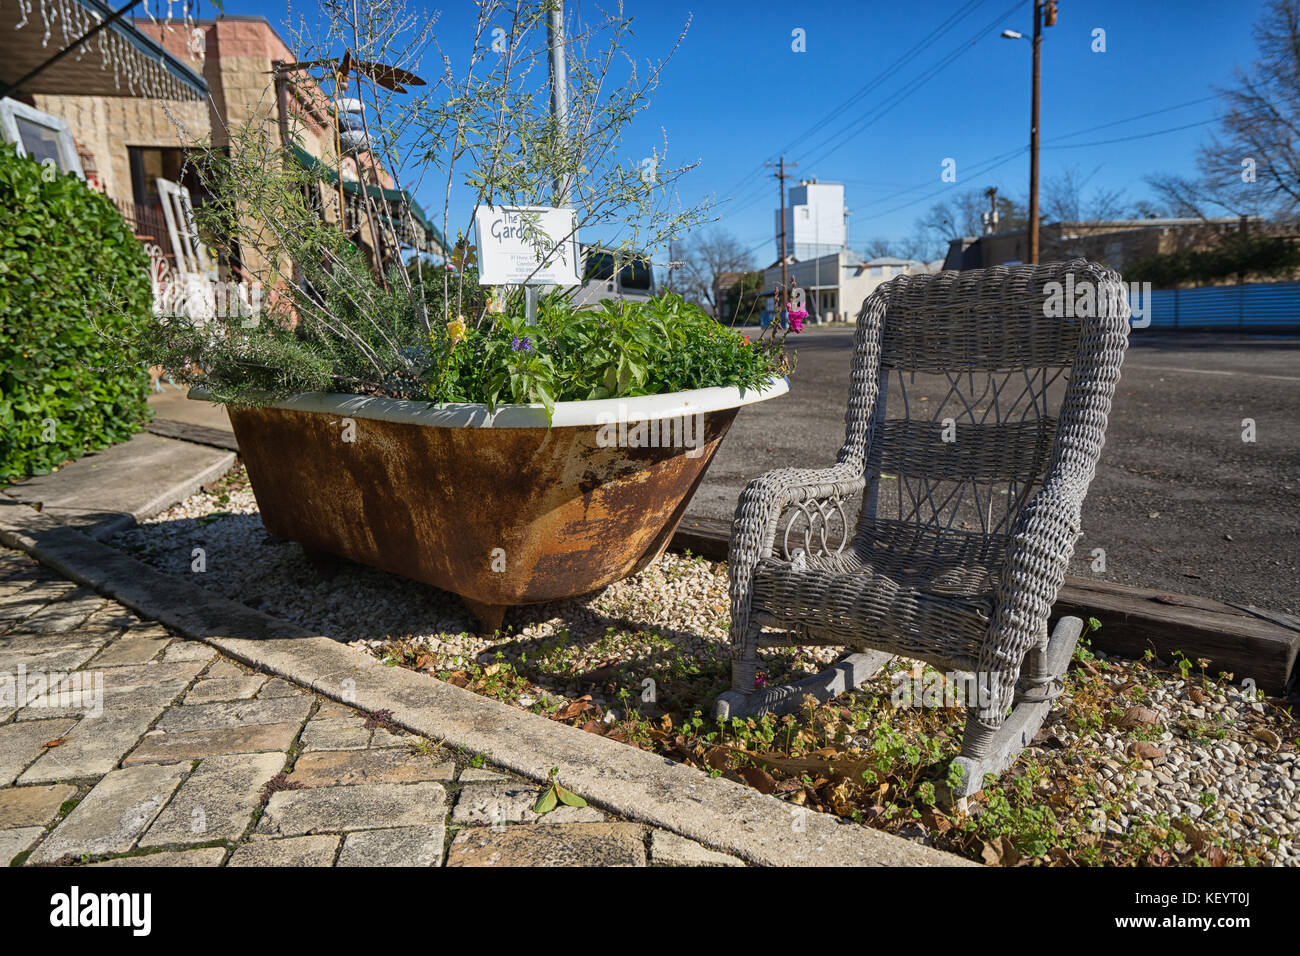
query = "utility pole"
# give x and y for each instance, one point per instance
(781, 176)
(1044, 10)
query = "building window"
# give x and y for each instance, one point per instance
(40, 136)
(151, 163)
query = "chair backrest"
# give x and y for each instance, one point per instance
(963, 381)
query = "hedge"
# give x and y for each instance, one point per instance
(66, 387)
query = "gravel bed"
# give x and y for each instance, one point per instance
(1210, 755)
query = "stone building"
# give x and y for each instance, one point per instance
(141, 94)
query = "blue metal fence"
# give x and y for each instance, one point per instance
(1262, 307)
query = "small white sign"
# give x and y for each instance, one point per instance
(533, 244)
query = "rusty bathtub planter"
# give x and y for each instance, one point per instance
(495, 507)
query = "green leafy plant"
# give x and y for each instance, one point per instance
(345, 320)
(66, 258)
(555, 794)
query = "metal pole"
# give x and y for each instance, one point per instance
(281, 101)
(1033, 132)
(338, 146)
(530, 304)
(559, 88)
(559, 75)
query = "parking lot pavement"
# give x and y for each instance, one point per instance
(1180, 502)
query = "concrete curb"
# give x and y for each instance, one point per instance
(718, 813)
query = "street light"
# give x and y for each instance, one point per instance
(1044, 15)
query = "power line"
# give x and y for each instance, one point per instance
(856, 127)
(979, 172)
(1136, 136)
(971, 5)
(988, 165)
(1130, 119)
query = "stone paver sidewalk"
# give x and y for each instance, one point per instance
(123, 746)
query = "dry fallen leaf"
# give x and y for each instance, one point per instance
(1046, 738)
(718, 758)
(759, 779)
(1266, 735)
(1000, 852)
(839, 800)
(1197, 839)
(1138, 716)
(1146, 750)
(574, 708)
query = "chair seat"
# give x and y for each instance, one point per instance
(899, 587)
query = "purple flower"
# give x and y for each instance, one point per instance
(518, 344)
(759, 681)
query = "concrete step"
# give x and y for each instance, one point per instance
(108, 491)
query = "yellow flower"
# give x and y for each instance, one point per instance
(456, 330)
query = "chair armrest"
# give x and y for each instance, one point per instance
(753, 530)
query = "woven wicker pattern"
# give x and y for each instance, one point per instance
(971, 484)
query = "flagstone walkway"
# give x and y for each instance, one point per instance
(121, 745)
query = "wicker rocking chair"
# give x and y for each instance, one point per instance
(999, 383)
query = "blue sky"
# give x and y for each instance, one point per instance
(736, 94)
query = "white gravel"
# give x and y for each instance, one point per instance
(1234, 779)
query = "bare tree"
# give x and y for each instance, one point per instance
(917, 246)
(1066, 198)
(1251, 165)
(705, 259)
(962, 215)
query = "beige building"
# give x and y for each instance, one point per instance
(1117, 243)
(140, 94)
(836, 285)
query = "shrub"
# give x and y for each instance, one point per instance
(1261, 256)
(68, 263)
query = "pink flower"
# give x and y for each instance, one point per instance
(796, 320)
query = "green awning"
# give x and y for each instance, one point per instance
(399, 196)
